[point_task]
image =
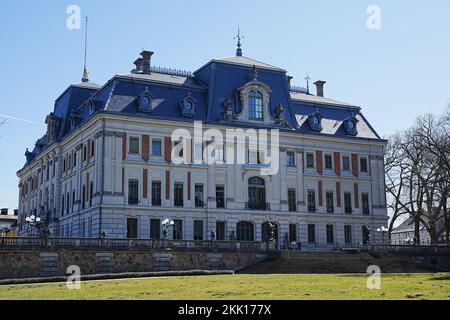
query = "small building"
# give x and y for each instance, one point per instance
(8, 223)
(404, 233)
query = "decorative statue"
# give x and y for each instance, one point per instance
(228, 114)
(279, 117)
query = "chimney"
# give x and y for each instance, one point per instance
(289, 79)
(138, 64)
(146, 61)
(4, 211)
(16, 212)
(319, 87)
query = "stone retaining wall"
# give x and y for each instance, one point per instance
(29, 264)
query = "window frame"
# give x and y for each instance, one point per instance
(255, 114)
(161, 151)
(307, 166)
(290, 158)
(366, 160)
(130, 188)
(348, 209)
(349, 169)
(178, 199)
(130, 152)
(330, 157)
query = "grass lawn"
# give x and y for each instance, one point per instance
(276, 286)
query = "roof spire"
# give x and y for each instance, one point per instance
(239, 37)
(307, 78)
(85, 77)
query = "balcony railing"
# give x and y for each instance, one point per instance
(257, 206)
(31, 243)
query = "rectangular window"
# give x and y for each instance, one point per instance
(84, 152)
(177, 229)
(198, 230)
(330, 233)
(219, 153)
(329, 197)
(178, 194)
(92, 148)
(83, 197)
(365, 203)
(198, 151)
(73, 200)
(54, 168)
(311, 201)
(155, 229)
(292, 200)
(363, 165)
(156, 147)
(311, 233)
(220, 196)
(132, 228)
(156, 193)
(328, 162)
(91, 193)
(133, 191)
(292, 233)
(346, 163)
(253, 156)
(220, 230)
(62, 205)
(133, 145)
(75, 160)
(68, 203)
(310, 160)
(199, 196)
(348, 234)
(348, 202)
(290, 158)
(178, 146)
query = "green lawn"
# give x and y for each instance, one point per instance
(423, 286)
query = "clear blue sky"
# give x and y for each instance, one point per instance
(395, 73)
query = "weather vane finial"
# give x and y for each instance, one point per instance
(239, 37)
(307, 78)
(85, 77)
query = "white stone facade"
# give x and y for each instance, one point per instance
(104, 166)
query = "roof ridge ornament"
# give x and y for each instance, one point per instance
(239, 37)
(255, 73)
(85, 77)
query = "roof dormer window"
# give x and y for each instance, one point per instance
(255, 105)
(314, 121)
(350, 125)
(145, 101)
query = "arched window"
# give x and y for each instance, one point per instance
(255, 105)
(245, 231)
(256, 193)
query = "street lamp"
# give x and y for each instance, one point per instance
(166, 224)
(383, 230)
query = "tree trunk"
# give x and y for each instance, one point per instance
(417, 229)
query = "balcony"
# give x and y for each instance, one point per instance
(257, 206)
(311, 208)
(330, 209)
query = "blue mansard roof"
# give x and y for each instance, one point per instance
(209, 89)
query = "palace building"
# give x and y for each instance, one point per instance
(106, 163)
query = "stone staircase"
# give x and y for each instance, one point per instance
(290, 262)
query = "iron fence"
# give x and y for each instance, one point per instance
(30, 243)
